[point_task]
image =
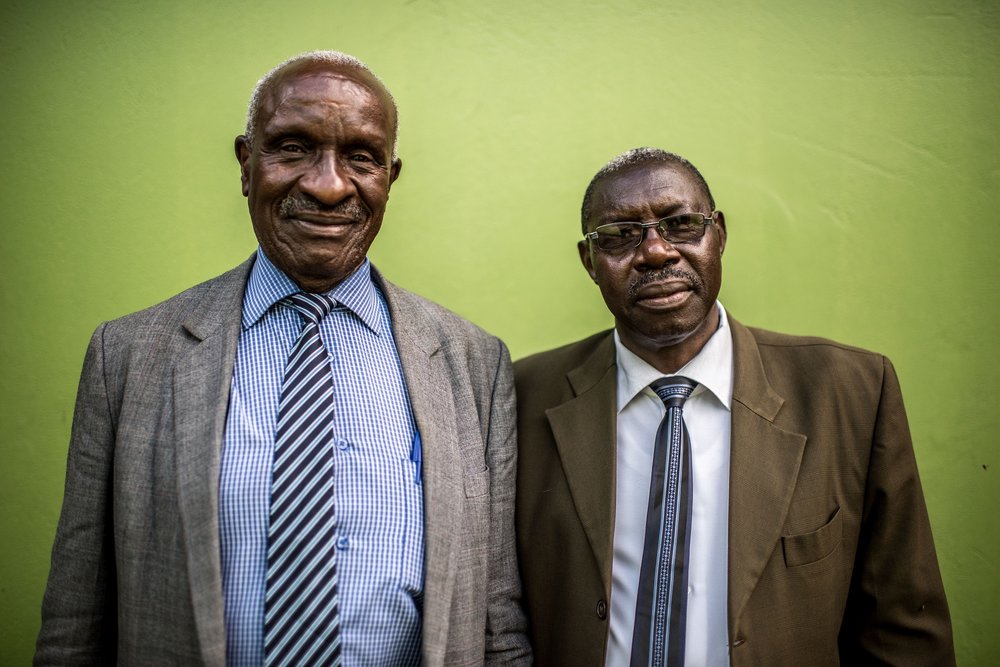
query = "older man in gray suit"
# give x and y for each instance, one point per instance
(229, 503)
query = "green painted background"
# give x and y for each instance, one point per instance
(854, 150)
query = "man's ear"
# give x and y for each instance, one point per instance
(586, 258)
(242, 148)
(394, 169)
(720, 222)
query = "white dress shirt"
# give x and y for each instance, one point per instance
(707, 417)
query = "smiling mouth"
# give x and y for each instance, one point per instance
(309, 212)
(322, 225)
(322, 220)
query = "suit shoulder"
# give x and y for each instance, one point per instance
(429, 315)
(782, 343)
(560, 360)
(811, 359)
(170, 313)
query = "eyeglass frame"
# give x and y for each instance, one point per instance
(643, 226)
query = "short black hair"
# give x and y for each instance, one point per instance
(632, 158)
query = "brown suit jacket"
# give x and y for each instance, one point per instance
(136, 574)
(831, 559)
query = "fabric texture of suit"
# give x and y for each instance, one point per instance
(830, 557)
(136, 573)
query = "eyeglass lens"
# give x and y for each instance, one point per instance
(682, 228)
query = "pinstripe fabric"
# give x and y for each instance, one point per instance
(379, 504)
(301, 606)
(658, 638)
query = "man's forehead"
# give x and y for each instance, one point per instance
(315, 84)
(314, 80)
(647, 184)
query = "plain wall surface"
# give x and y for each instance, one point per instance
(853, 146)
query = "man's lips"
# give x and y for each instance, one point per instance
(321, 219)
(664, 288)
(322, 226)
(663, 293)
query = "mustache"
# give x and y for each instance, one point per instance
(665, 274)
(295, 204)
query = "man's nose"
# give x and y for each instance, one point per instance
(326, 180)
(654, 250)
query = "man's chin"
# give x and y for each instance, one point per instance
(321, 272)
(666, 326)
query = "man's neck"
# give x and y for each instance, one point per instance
(670, 356)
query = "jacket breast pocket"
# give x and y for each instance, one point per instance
(813, 546)
(477, 484)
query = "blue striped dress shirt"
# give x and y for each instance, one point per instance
(379, 499)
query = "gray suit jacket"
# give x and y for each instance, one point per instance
(830, 554)
(136, 575)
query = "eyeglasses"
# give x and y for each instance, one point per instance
(621, 236)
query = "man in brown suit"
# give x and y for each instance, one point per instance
(809, 537)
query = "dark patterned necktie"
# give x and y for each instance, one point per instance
(661, 605)
(301, 618)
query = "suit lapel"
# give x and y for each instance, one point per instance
(584, 429)
(419, 344)
(202, 380)
(764, 466)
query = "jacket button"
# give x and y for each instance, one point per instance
(739, 642)
(602, 609)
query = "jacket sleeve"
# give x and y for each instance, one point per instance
(506, 628)
(78, 611)
(896, 611)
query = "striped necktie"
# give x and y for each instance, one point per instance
(301, 618)
(658, 635)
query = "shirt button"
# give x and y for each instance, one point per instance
(602, 609)
(343, 543)
(343, 445)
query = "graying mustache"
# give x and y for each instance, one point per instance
(664, 274)
(296, 204)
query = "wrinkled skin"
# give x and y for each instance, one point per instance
(318, 173)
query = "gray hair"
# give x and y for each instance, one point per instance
(633, 158)
(336, 58)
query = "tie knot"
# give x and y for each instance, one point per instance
(673, 391)
(313, 307)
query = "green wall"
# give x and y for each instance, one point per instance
(854, 150)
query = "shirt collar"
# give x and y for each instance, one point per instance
(711, 368)
(268, 285)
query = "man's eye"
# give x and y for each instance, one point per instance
(625, 231)
(291, 147)
(673, 224)
(361, 157)
(614, 236)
